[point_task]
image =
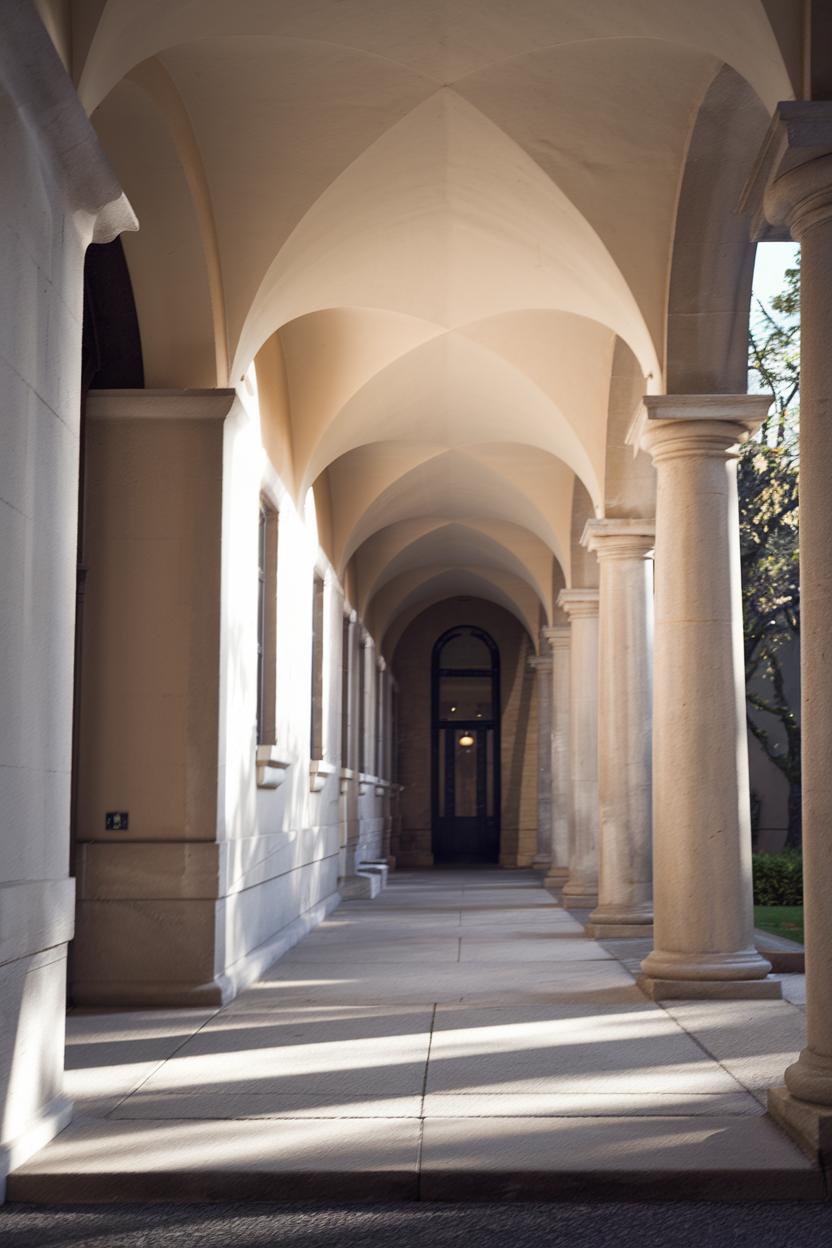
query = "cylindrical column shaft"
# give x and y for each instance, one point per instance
(542, 665)
(701, 818)
(581, 606)
(803, 199)
(625, 637)
(558, 871)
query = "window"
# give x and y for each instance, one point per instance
(266, 625)
(316, 749)
(363, 660)
(379, 719)
(346, 672)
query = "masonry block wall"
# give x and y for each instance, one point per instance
(412, 669)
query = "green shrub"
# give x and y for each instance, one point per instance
(778, 879)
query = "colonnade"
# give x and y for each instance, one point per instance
(688, 823)
(658, 777)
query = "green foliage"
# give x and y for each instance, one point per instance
(778, 879)
(768, 477)
(780, 921)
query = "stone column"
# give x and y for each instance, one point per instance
(581, 606)
(701, 820)
(558, 872)
(542, 666)
(625, 641)
(802, 199)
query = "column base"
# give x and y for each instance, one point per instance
(579, 901)
(621, 922)
(706, 964)
(541, 862)
(619, 931)
(555, 878)
(709, 989)
(810, 1126)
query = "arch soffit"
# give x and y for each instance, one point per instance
(709, 292)
(455, 544)
(405, 618)
(495, 482)
(173, 301)
(413, 591)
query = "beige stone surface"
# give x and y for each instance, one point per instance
(703, 926)
(625, 841)
(59, 195)
(799, 197)
(520, 1077)
(581, 606)
(534, 1158)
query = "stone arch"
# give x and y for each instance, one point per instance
(713, 257)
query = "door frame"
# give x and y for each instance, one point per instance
(486, 725)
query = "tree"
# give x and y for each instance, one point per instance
(769, 530)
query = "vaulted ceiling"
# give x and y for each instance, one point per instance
(445, 234)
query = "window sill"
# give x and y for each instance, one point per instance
(319, 773)
(272, 767)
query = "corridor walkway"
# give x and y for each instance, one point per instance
(459, 1038)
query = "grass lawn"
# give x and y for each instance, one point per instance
(780, 921)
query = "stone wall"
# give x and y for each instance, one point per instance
(233, 847)
(58, 195)
(412, 668)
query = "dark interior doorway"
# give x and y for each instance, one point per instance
(465, 747)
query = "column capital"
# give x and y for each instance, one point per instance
(557, 635)
(540, 662)
(619, 539)
(673, 426)
(579, 603)
(790, 188)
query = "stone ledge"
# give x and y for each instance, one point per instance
(785, 956)
(319, 772)
(271, 766)
(710, 989)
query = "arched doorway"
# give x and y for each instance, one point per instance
(465, 746)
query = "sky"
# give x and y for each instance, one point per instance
(772, 261)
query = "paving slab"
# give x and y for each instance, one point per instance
(346, 1159)
(515, 947)
(735, 1158)
(754, 1040)
(569, 1050)
(268, 1104)
(461, 1019)
(587, 1105)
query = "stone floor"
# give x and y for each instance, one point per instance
(458, 1038)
